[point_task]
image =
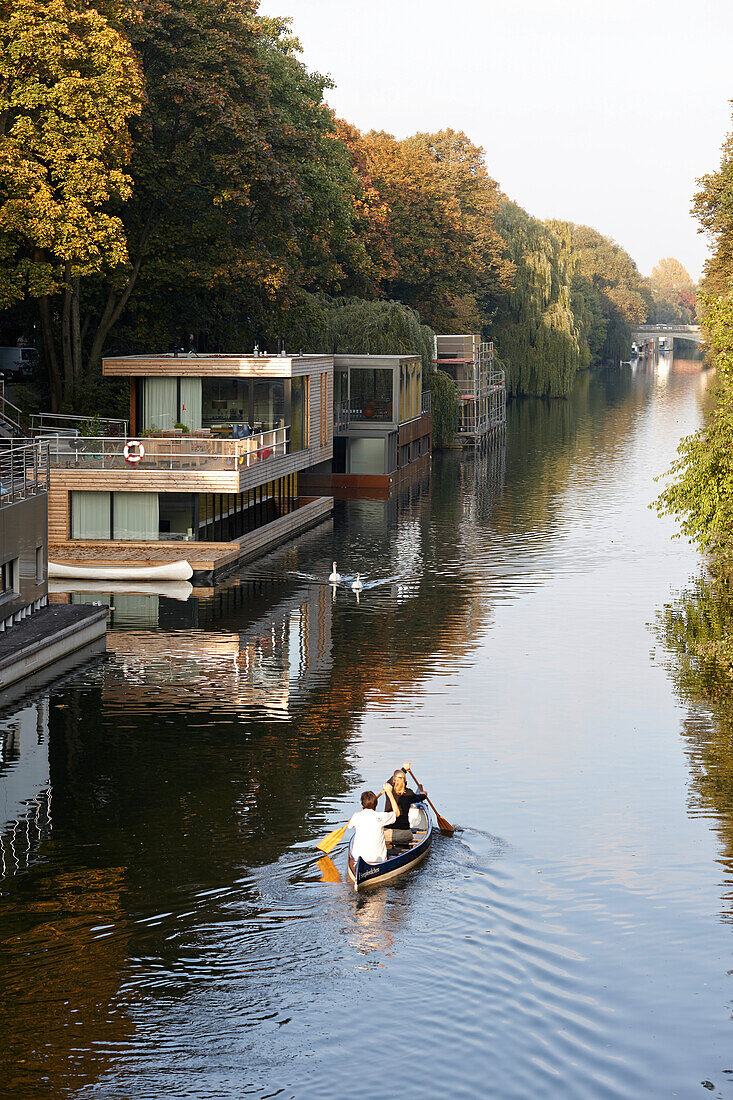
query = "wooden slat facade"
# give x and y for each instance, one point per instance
(216, 366)
(319, 433)
(203, 557)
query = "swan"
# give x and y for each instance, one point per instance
(335, 577)
(357, 585)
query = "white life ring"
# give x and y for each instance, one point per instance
(133, 456)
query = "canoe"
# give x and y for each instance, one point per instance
(170, 571)
(398, 861)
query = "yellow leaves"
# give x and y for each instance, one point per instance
(62, 154)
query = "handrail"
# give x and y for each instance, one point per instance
(13, 421)
(341, 416)
(180, 452)
(57, 421)
(24, 470)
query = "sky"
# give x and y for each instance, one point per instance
(599, 113)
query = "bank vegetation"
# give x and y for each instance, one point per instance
(170, 175)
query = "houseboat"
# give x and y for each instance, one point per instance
(209, 473)
(382, 425)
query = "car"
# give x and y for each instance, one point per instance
(17, 364)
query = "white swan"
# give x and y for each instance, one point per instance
(357, 585)
(335, 577)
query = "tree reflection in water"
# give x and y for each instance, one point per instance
(697, 631)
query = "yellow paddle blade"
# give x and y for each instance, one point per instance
(329, 842)
(329, 870)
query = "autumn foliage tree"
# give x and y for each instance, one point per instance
(69, 86)
(168, 168)
(674, 293)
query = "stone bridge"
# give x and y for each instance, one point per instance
(652, 335)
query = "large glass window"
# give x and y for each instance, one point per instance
(367, 456)
(298, 414)
(8, 576)
(176, 516)
(371, 393)
(90, 515)
(225, 402)
(269, 405)
(146, 517)
(410, 390)
(190, 410)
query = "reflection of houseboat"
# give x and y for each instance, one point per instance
(245, 646)
(382, 424)
(211, 475)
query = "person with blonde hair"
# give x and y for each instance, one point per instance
(400, 832)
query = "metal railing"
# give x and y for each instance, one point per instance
(651, 329)
(181, 452)
(426, 401)
(63, 424)
(341, 416)
(24, 470)
(10, 415)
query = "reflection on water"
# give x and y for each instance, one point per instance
(173, 925)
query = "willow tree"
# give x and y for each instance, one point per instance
(615, 295)
(360, 327)
(534, 325)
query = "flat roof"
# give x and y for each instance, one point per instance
(228, 364)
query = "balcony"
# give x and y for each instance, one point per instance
(166, 463)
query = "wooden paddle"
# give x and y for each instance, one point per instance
(329, 842)
(445, 826)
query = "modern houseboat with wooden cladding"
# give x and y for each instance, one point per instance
(210, 470)
(382, 425)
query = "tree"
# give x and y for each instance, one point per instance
(613, 288)
(69, 86)
(673, 292)
(244, 191)
(462, 167)
(431, 244)
(534, 325)
(700, 495)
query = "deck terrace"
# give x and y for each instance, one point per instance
(208, 560)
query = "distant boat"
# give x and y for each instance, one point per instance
(170, 571)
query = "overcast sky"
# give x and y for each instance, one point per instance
(602, 113)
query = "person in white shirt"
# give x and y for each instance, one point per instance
(369, 842)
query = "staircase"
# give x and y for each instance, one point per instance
(11, 418)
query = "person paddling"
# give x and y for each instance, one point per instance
(369, 826)
(400, 832)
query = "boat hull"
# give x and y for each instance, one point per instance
(171, 571)
(364, 875)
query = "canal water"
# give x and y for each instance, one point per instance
(166, 927)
